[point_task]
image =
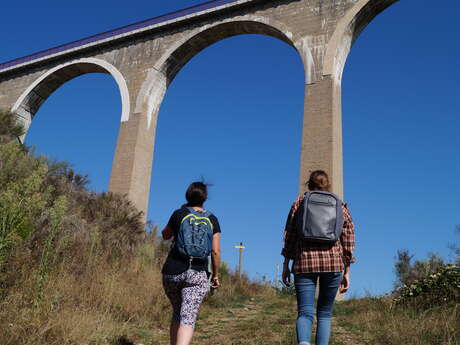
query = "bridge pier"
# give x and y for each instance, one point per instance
(322, 133)
(132, 162)
(133, 159)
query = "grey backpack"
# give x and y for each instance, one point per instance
(320, 217)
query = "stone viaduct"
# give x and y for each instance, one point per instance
(145, 57)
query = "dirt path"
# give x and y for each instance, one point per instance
(256, 321)
(342, 336)
(251, 322)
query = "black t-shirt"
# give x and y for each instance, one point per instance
(176, 264)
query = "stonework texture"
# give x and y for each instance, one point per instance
(145, 63)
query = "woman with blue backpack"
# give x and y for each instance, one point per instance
(319, 238)
(196, 235)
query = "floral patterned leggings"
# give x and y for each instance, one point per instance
(186, 291)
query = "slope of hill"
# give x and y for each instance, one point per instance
(78, 267)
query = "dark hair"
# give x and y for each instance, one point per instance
(319, 180)
(196, 194)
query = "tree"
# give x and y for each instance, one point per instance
(407, 272)
(455, 247)
(23, 196)
(9, 127)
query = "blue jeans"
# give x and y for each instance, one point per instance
(305, 286)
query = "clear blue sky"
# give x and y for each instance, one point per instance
(400, 115)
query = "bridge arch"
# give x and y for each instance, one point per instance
(36, 94)
(182, 51)
(347, 31)
(185, 49)
(156, 80)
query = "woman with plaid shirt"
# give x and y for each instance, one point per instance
(328, 263)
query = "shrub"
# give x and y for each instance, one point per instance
(408, 272)
(23, 196)
(442, 287)
(9, 128)
(455, 247)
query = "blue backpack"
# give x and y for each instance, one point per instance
(194, 238)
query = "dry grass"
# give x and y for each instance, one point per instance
(378, 322)
(96, 305)
(92, 298)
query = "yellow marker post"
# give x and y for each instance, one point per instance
(240, 266)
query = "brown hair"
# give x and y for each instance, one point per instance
(319, 180)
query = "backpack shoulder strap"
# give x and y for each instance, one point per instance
(307, 196)
(207, 214)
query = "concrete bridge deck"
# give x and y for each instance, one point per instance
(124, 32)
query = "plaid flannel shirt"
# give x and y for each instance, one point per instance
(319, 257)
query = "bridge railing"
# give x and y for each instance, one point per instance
(119, 31)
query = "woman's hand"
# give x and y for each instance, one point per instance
(215, 283)
(286, 274)
(345, 285)
(167, 234)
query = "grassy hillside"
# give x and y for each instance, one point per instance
(78, 267)
(378, 321)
